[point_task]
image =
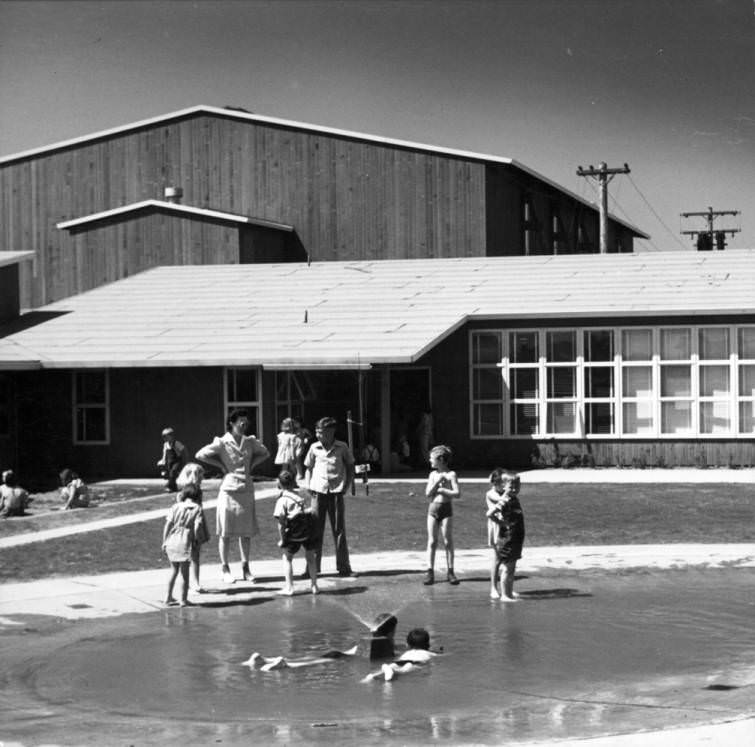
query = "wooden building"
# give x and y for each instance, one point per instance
(258, 189)
(624, 359)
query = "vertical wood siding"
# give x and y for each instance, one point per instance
(347, 199)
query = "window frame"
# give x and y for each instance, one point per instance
(253, 406)
(77, 406)
(655, 400)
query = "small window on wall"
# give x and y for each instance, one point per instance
(91, 407)
(487, 383)
(242, 392)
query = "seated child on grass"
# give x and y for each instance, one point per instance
(296, 527)
(505, 531)
(14, 500)
(73, 491)
(417, 654)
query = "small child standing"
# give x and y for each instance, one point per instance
(179, 538)
(297, 527)
(303, 442)
(442, 487)
(288, 446)
(193, 474)
(172, 460)
(14, 500)
(73, 491)
(505, 531)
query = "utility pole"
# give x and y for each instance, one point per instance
(705, 237)
(603, 175)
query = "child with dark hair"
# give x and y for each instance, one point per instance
(182, 525)
(73, 491)
(297, 527)
(172, 460)
(505, 531)
(417, 654)
(14, 500)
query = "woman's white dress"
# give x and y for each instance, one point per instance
(236, 515)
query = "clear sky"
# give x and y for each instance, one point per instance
(667, 86)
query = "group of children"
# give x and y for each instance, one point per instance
(504, 515)
(14, 500)
(186, 529)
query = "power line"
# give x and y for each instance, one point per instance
(658, 217)
(619, 208)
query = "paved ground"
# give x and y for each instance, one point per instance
(120, 593)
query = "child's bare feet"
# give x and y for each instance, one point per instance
(277, 663)
(185, 603)
(169, 602)
(256, 661)
(388, 672)
(514, 598)
(315, 589)
(286, 591)
(494, 594)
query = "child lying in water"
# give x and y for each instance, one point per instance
(268, 663)
(418, 653)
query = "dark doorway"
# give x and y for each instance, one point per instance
(410, 408)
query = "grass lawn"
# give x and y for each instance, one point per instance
(393, 518)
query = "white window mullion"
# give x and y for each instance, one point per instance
(542, 389)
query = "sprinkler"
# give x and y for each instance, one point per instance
(381, 636)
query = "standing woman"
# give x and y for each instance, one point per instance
(236, 455)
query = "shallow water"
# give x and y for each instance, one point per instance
(579, 655)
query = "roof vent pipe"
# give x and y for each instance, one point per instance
(173, 194)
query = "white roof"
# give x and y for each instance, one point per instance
(12, 258)
(236, 114)
(355, 314)
(172, 207)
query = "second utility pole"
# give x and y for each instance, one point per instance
(603, 175)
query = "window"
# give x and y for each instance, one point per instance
(634, 382)
(524, 382)
(746, 374)
(561, 377)
(599, 386)
(242, 391)
(714, 380)
(91, 407)
(487, 385)
(292, 389)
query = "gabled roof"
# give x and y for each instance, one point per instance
(169, 207)
(302, 126)
(356, 314)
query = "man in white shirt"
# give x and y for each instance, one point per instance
(329, 466)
